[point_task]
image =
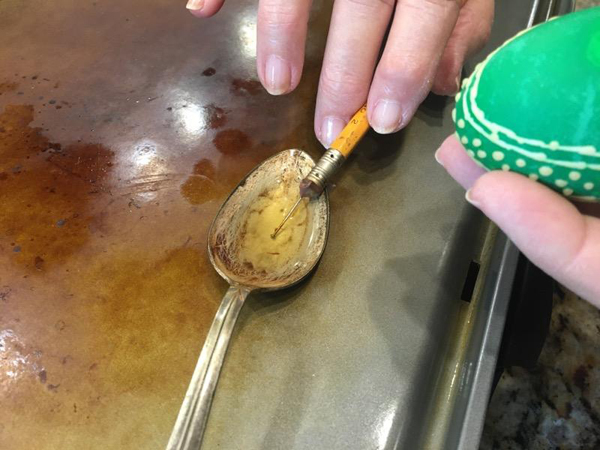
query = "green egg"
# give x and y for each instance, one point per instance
(533, 106)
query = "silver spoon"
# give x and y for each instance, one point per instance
(288, 166)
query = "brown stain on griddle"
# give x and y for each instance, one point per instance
(46, 190)
(217, 117)
(205, 168)
(244, 87)
(209, 72)
(144, 311)
(200, 186)
(175, 294)
(8, 86)
(232, 141)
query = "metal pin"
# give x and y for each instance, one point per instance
(286, 218)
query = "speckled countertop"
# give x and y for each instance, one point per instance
(556, 405)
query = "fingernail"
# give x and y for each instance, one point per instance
(331, 127)
(195, 5)
(457, 84)
(387, 116)
(278, 75)
(437, 157)
(471, 200)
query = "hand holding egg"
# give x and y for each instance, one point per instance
(534, 108)
(559, 237)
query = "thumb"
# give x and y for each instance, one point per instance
(546, 227)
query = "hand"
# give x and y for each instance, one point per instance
(425, 50)
(560, 238)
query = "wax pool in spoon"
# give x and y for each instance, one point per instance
(257, 247)
(533, 106)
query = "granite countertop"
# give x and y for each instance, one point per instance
(557, 404)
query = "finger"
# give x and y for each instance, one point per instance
(281, 37)
(204, 8)
(546, 227)
(355, 35)
(453, 157)
(471, 32)
(404, 75)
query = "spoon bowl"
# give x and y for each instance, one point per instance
(286, 170)
(250, 261)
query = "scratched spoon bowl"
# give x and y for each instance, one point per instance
(288, 166)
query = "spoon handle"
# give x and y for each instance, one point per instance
(191, 421)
